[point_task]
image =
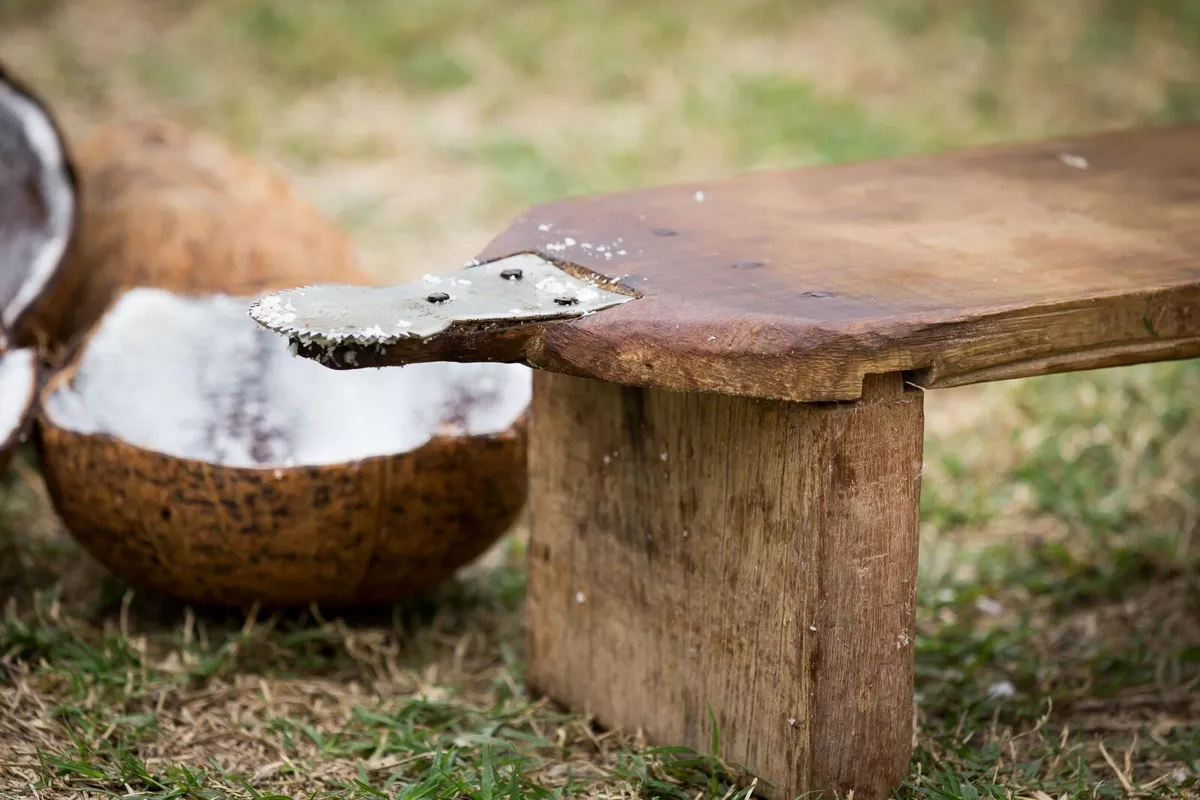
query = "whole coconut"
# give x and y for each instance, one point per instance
(167, 207)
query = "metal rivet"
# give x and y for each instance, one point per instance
(819, 293)
(746, 264)
(566, 300)
(664, 232)
(511, 274)
(438, 297)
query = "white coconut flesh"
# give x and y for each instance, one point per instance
(18, 379)
(196, 378)
(37, 202)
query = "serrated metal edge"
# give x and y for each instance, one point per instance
(284, 312)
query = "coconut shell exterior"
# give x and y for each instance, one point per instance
(363, 533)
(24, 328)
(168, 207)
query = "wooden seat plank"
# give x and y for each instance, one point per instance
(954, 268)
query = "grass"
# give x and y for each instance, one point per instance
(1058, 647)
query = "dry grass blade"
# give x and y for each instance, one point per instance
(1122, 774)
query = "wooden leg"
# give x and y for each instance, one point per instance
(693, 552)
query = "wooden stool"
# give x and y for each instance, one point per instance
(725, 465)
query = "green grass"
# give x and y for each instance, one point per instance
(1101, 452)
(773, 116)
(305, 45)
(1058, 647)
(348, 707)
(482, 739)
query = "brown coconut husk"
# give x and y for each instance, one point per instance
(366, 531)
(38, 203)
(168, 207)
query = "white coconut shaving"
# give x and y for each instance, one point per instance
(18, 374)
(33, 232)
(194, 377)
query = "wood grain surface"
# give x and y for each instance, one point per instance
(953, 268)
(756, 558)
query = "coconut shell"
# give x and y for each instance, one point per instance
(38, 203)
(20, 373)
(366, 532)
(167, 207)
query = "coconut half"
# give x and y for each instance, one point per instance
(168, 207)
(191, 452)
(19, 373)
(37, 202)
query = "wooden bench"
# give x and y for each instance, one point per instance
(725, 469)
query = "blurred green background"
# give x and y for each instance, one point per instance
(424, 125)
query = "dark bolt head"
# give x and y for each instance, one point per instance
(511, 274)
(438, 297)
(566, 300)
